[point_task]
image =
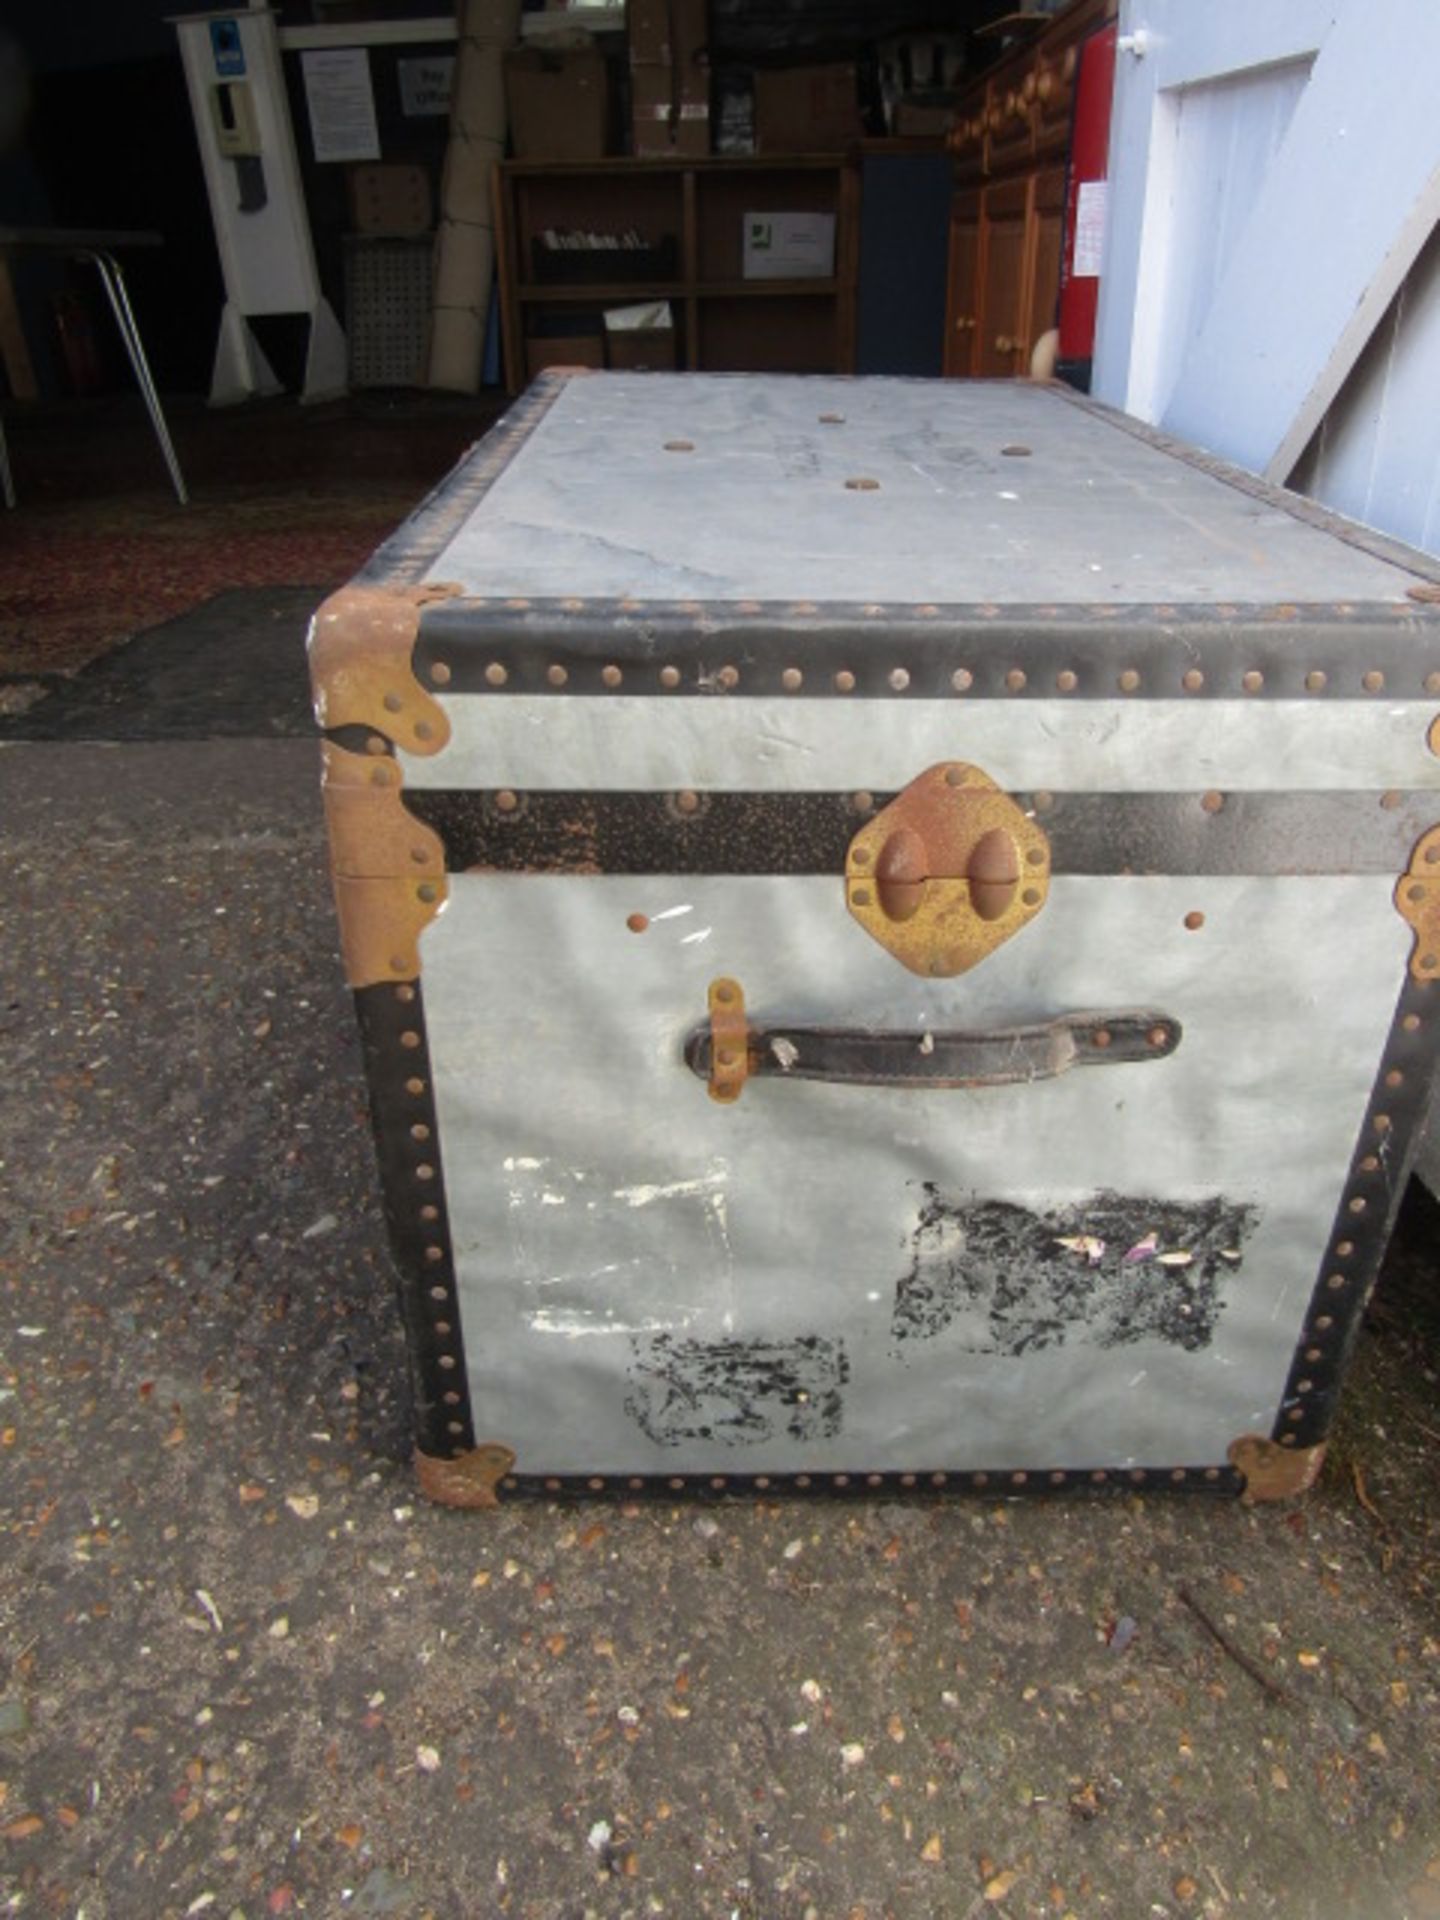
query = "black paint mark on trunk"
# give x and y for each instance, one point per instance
(1001, 1276)
(739, 1392)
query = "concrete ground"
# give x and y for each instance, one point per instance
(244, 1670)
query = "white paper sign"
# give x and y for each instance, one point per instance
(425, 84)
(342, 104)
(1090, 228)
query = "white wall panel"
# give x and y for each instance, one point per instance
(1377, 454)
(1226, 133)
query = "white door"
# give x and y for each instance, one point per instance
(1275, 171)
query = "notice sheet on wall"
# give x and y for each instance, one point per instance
(425, 84)
(1090, 228)
(341, 101)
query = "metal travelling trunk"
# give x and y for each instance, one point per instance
(894, 931)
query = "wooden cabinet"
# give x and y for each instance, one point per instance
(1009, 133)
(1004, 256)
(1044, 239)
(963, 284)
(686, 220)
(1005, 243)
(1053, 78)
(1009, 145)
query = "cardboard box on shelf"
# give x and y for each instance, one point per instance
(556, 100)
(669, 111)
(691, 133)
(921, 118)
(806, 109)
(641, 337)
(586, 16)
(788, 246)
(666, 32)
(652, 102)
(651, 350)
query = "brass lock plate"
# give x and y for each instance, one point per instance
(948, 872)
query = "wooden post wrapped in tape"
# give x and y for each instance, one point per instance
(465, 246)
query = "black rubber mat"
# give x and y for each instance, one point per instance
(231, 669)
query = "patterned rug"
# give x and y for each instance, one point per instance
(76, 581)
(99, 550)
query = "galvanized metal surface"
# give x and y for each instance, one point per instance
(807, 746)
(757, 506)
(635, 1263)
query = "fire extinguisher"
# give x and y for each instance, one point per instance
(1085, 206)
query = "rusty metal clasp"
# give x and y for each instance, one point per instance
(729, 1050)
(949, 871)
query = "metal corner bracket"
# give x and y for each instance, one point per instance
(469, 1480)
(362, 672)
(388, 868)
(1273, 1471)
(1417, 901)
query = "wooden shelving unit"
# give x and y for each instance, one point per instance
(723, 321)
(1010, 143)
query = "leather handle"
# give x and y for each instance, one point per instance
(936, 1059)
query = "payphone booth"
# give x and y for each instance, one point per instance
(257, 203)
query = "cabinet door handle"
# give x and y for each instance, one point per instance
(1003, 343)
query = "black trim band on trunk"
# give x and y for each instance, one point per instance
(423, 535)
(799, 833)
(1224, 1482)
(1380, 1166)
(412, 1178)
(1362, 650)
